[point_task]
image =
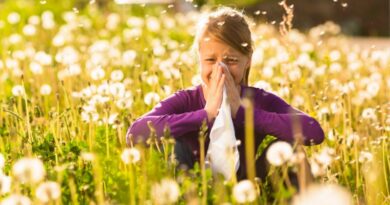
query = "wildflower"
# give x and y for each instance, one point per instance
(153, 24)
(18, 90)
(29, 170)
(16, 199)
(151, 97)
(5, 184)
(110, 119)
(45, 89)
(128, 57)
(87, 156)
(116, 75)
(2, 161)
(48, 191)
(130, 155)
(365, 156)
(353, 137)
(92, 116)
(244, 192)
(13, 18)
(279, 153)
(152, 79)
(165, 192)
(324, 194)
(369, 113)
(97, 73)
(29, 30)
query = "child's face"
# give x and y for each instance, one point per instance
(212, 51)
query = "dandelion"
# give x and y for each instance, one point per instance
(128, 57)
(5, 184)
(165, 192)
(158, 50)
(29, 170)
(352, 138)
(244, 192)
(48, 191)
(130, 155)
(89, 116)
(369, 114)
(16, 199)
(29, 30)
(13, 18)
(323, 195)
(45, 89)
(365, 156)
(2, 162)
(18, 90)
(87, 156)
(153, 24)
(117, 75)
(279, 153)
(152, 79)
(97, 73)
(151, 97)
(111, 118)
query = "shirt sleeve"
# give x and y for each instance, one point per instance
(170, 112)
(273, 116)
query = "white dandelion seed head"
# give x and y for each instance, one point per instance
(325, 157)
(128, 57)
(324, 194)
(97, 73)
(2, 162)
(165, 192)
(365, 156)
(152, 79)
(263, 85)
(89, 116)
(153, 24)
(15, 38)
(5, 184)
(117, 75)
(48, 191)
(29, 170)
(43, 58)
(29, 30)
(369, 114)
(130, 155)
(267, 72)
(13, 18)
(45, 89)
(244, 192)
(151, 97)
(279, 153)
(88, 156)
(16, 199)
(352, 138)
(111, 118)
(18, 90)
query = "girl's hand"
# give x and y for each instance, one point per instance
(215, 92)
(232, 92)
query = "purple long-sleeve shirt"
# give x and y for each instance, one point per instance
(183, 112)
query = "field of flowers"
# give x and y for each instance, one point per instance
(74, 77)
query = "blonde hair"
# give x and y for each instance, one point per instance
(229, 26)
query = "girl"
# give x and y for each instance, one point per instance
(224, 37)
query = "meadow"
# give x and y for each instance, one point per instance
(74, 77)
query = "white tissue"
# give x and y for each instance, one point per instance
(222, 150)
